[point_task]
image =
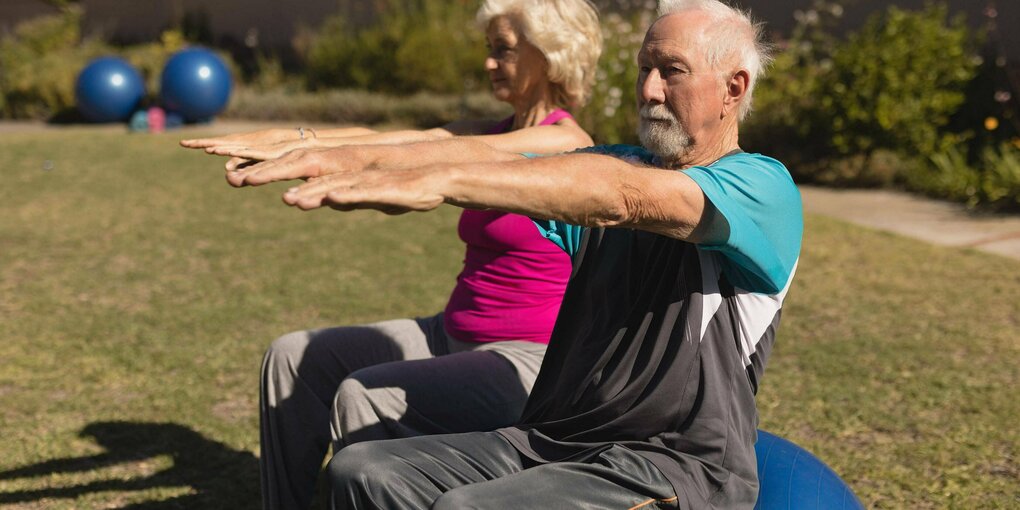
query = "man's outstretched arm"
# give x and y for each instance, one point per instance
(582, 189)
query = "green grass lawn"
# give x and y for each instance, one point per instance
(138, 292)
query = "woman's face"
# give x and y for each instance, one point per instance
(515, 66)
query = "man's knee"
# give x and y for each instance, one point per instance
(362, 469)
(455, 499)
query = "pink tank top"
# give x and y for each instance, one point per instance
(513, 278)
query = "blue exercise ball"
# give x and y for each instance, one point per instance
(790, 478)
(196, 84)
(108, 89)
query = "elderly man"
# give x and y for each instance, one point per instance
(683, 252)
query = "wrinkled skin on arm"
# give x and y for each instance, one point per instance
(582, 189)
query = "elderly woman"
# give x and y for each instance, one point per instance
(471, 367)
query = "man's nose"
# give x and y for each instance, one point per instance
(651, 90)
(490, 64)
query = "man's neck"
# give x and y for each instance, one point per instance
(704, 154)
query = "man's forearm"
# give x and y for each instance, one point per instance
(582, 189)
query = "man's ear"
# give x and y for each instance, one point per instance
(736, 88)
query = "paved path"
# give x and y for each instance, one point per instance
(934, 221)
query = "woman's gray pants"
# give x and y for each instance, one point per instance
(392, 379)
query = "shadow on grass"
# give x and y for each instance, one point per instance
(217, 475)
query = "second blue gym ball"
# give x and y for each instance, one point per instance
(196, 84)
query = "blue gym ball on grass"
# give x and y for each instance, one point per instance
(108, 89)
(196, 84)
(790, 478)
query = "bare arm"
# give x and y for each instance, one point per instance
(271, 136)
(583, 189)
(316, 163)
(538, 139)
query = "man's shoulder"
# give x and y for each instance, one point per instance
(751, 159)
(749, 169)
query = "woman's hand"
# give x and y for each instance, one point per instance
(262, 137)
(266, 152)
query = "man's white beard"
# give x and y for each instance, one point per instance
(660, 132)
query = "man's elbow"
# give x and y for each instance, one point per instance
(623, 209)
(636, 208)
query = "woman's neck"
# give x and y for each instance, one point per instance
(531, 111)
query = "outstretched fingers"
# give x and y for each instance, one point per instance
(291, 166)
(237, 163)
(390, 192)
(311, 194)
(236, 151)
(200, 143)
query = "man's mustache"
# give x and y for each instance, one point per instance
(657, 113)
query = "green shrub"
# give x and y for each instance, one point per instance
(39, 62)
(149, 58)
(896, 83)
(891, 86)
(946, 174)
(993, 182)
(415, 45)
(791, 109)
(423, 109)
(611, 116)
(1000, 186)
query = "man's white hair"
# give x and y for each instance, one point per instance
(733, 37)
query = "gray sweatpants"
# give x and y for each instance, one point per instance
(483, 470)
(392, 379)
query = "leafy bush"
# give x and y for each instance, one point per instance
(414, 45)
(993, 182)
(610, 116)
(792, 102)
(150, 58)
(1000, 186)
(945, 174)
(362, 107)
(897, 81)
(39, 62)
(891, 86)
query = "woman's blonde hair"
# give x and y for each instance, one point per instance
(567, 32)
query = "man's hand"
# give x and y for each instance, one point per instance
(262, 137)
(393, 192)
(298, 164)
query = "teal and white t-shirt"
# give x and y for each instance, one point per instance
(764, 237)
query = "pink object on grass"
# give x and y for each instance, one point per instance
(157, 120)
